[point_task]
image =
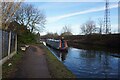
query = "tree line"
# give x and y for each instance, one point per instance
(89, 27)
(65, 31)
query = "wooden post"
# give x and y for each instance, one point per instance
(9, 44)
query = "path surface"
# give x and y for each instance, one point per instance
(33, 64)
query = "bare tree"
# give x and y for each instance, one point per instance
(8, 11)
(66, 30)
(83, 28)
(101, 24)
(30, 17)
(89, 27)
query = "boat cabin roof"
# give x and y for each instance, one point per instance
(53, 40)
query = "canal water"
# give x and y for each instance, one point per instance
(90, 63)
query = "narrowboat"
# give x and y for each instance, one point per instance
(57, 44)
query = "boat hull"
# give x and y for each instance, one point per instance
(56, 45)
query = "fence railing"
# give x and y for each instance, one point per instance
(8, 45)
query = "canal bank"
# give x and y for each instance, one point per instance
(105, 40)
(57, 69)
(34, 64)
(11, 66)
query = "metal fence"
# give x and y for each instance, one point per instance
(5, 42)
(8, 45)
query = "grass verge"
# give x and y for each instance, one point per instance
(56, 68)
(9, 71)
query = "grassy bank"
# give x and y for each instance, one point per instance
(9, 71)
(56, 68)
(109, 40)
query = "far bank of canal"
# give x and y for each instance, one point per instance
(86, 63)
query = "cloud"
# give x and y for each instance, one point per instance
(114, 27)
(56, 18)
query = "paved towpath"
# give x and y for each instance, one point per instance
(33, 65)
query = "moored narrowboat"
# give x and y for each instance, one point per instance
(57, 44)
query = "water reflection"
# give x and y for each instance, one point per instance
(89, 63)
(87, 54)
(60, 55)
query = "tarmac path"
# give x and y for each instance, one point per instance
(33, 64)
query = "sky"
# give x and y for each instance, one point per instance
(74, 14)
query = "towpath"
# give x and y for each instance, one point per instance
(33, 65)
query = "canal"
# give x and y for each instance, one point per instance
(89, 63)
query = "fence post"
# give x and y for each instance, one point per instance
(9, 45)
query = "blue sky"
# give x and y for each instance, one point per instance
(59, 14)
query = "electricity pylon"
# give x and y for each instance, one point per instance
(107, 23)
